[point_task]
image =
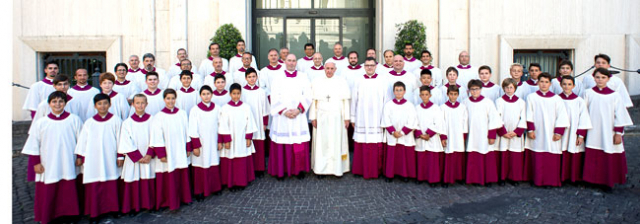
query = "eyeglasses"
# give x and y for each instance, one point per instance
(121, 70)
(474, 89)
(369, 65)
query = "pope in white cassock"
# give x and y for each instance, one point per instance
(330, 115)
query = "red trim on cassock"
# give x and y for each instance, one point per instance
(391, 129)
(559, 131)
(222, 138)
(417, 133)
(35, 160)
(406, 130)
(265, 120)
(618, 129)
(248, 136)
(80, 157)
(491, 134)
(195, 143)
(161, 152)
(135, 156)
(301, 107)
(443, 137)
(519, 131)
(582, 132)
(431, 133)
(151, 152)
(189, 148)
(501, 131)
(120, 155)
(531, 126)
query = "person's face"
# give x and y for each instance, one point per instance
(134, 62)
(140, 104)
(534, 72)
(220, 84)
(371, 53)
(121, 73)
(214, 50)
(217, 64)
(398, 63)
(425, 79)
(273, 57)
(185, 80)
(152, 82)
(509, 90)
(82, 76)
(284, 53)
(170, 101)
(148, 63)
(206, 96)
(317, 60)
(57, 105)
(107, 86)
(425, 96)
(353, 59)
(565, 70)
(601, 63)
(452, 77)
(62, 86)
(337, 50)
(51, 70)
(464, 58)
(398, 92)
(251, 78)
(484, 75)
(601, 80)
(475, 91)
(329, 70)
(408, 51)
(544, 84)
(246, 60)
(182, 55)
(235, 95)
(240, 47)
(185, 65)
(567, 86)
(388, 58)
(308, 50)
(453, 96)
(426, 58)
(516, 72)
(102, 106)
(370, 67)
(290, 62)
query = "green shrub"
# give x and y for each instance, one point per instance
(413, 32)
(227, 36)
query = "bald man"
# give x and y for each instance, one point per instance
(338, 58)
(400, 74)
(316, 70)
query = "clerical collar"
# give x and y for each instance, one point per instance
(170, 111)
(99, 118)
(69, 98)
(604, 91)
(387, 66)
(571, 96)
(463, 66)
(532, 82)
(235, 104)
(280, 61)
(122, 83)
(218, 93)
(371, 77)
(426, 106)
(547, 94)
(511, 99)
(82, 88)
(559, 78)
(187, 90)
(447, 85)
(243, 69)
(338, 58)
(214, 73)
(428, 67)
(59, 117)
(47, 81)
(206, 107)
(112, 94)
(452, 105)
(137, 118)
(488, 84)
(354, 67)
(248, 87)
(308, 58)
(393, 72)
(210, 58)
(144, 71)
(178, 64)
(155, 92)
(291, 75)
(409, 60)
(317, 68)
(520, 83)
(134, 71)
(400, 102)
(477, 99)
(274, 68)
(239, 55)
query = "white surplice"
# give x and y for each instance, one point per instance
(98, 144)
(290, 93)
(483, 119)
(607, 112)
(134, 136)
(38, 92)
(203, 128)
(169, 133)
(236, 121)
(84, 95)
(119, 107)
(206, 66)
(256, 98)
(431, 122)
(512, 110)
(578, 120)
(547, 112)
(367, 102)
(456, 125)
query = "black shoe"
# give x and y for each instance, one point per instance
(501, 183)
(405, 179)
(388, 180)
(606, 189)
(432, 184)
(320, 176)
(301, 176)
(445, 185)
(94, 220)
(280, 178)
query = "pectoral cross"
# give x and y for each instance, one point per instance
(328, 97)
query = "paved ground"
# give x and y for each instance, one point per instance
(352, 199)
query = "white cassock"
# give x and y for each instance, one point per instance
(187, 98)
(579, 122)
(400, 158)
(512, 110)
(304, 64)
(466, 74)
(605, 162)
(314, 72)
(532, 85)
(340, 62)
(431, 122)
(239, 76)
(141, 78)
(484, 121)
(330, 108)
(203, 130)
(462, 93)
(352, 74)
(436, 75)
(557, 88)
(411, 64)
(235, 62)
(38, 92)
(456, 123)
(235, 127)
(436, 96)
(206, 66)
(220, 98)
(175, 70)
(84, 95)
(155, 102)
(98, 143)
(382, 68)
(367, 102)
(491, 91)
(127, 88)
(73, 106)
(270, 73)
(119, 107)
(133, 75)
(522, 91)
(546, 115)
(615, 83)
(210, 80)
(134, 142)
(256, 98)
(196, 82)
(290, 93)
(405, 77)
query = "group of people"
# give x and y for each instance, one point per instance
(150, 139)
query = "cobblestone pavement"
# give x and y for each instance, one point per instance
(353, 199)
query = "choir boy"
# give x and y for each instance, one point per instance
(429, 150)
(565, 68)
(615, 83)
(399, 119)
(153, 93)
(187, 95)
(573, 139)
(489, 89)
(435, 95)
(256, 98)
(60, 83)
(452, 79)
(220, 95)
(534, 71)
(512, 109)
(516, 73)
(456, 127)
(118, 105)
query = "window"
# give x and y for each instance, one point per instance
(71, 61)
(548, 59)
